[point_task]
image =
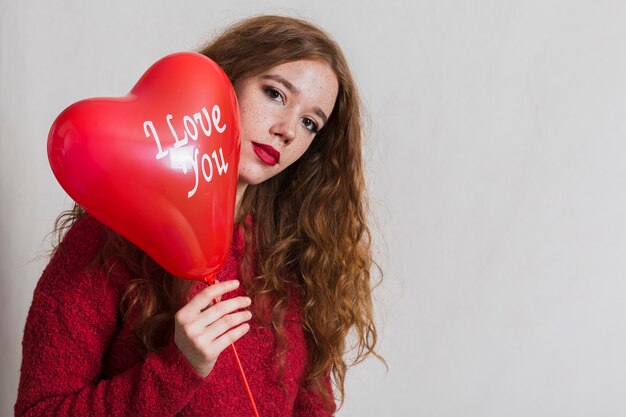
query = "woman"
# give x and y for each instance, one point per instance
(111, 333)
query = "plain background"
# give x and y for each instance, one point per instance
(496, 165)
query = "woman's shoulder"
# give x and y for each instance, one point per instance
(83, 238)
(75, 270)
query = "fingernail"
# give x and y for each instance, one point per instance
(248, 300)
(235, 283)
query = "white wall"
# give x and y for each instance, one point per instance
(496, 164)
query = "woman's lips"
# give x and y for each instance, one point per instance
(266, 153)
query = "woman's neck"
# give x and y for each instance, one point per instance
(241, 188)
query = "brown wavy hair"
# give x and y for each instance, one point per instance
(309, 230)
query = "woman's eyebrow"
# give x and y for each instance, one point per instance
(294, 90)
(283, 81)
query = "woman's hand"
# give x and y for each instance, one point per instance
(202, 330)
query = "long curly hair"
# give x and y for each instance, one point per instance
(309, 231)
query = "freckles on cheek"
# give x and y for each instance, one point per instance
(251, 119)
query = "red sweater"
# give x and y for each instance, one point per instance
(79, 358)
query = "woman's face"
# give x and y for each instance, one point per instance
(281, 110)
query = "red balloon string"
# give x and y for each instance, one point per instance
(245, 381)
(243, 376)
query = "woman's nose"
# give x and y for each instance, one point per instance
(285, 129)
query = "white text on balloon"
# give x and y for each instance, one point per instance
(182, 154)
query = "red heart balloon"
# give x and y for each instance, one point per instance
(160, 165)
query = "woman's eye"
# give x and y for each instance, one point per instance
(310, 125)
(273, 93)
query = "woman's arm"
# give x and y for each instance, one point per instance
(63, 347)
(71, 322)
(61, 372)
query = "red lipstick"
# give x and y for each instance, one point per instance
(266, 153)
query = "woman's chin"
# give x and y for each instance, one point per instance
(253, 176)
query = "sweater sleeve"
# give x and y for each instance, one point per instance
(71, 322)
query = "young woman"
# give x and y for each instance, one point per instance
(111, 333)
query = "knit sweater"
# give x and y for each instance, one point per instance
(79, 358)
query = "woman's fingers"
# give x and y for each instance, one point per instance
(220, 312)
(221, 309)
(205, 297)
(202, 330)
(224, 324)
(230, 337)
